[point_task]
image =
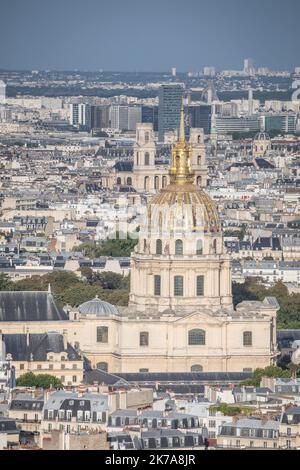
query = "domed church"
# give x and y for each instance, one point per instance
(180, 316)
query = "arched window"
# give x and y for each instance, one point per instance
(102, 334)
(144, 338)
(199, 247)
(178, 286)
(156, 182)
(199, 159)
(196, 368)
(215, 246)
(164, 181)
(146, 182)
(178, 247)
(196, 337)
(247, 338)
(147, 159)
(199, 180)
(119, 181)
(158, 247)
(102, 366)
(129, 181)
(137, 158)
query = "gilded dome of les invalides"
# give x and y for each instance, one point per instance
(182, 195)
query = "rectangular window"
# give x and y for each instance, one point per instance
(157, 284)
(178, 286)
(144, 338)
(74, 378)
(22, 366)
(247, 338)
(200, 285)
(39, 366)
(102, 334)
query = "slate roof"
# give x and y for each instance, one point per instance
(8, 425)
(294, 412)
(30, 306)
(39, 345)
(124, 165)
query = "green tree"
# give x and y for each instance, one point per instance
(40, 381)
(269, 371)
(110, 280)
(5, 282)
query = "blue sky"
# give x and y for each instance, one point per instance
(148, 35)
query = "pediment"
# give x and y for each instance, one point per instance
(201, 316)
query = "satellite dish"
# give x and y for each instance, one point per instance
(296, 357)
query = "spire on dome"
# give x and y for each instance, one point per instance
(181, 170)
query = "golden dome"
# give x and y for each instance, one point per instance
(182, 195)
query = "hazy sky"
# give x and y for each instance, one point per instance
(148, 35)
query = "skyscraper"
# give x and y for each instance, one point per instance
(80, 115)
(134, 117)
(150, 114)
(99, 117)
(2, 92)
(249, 66)
(200, 117)
(170, 97)
(119, 117)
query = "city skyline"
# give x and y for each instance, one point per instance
(70, 35)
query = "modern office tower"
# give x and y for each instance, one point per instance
(150, 115)
(134, 117)
(226, 109)
(2, 92)
(209, 71)
(250, 102)
(80, 115)
(297, 70)
(249, 66)
(173, 71)
(170, 98)
(119, 117)
(280, 122)
(200, 117)
(233, 124)
(99, 117)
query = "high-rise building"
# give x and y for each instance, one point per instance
(2, 92)
(173, 71)
(249, 66)
(279, 122)
(99, 117)
(119, 117)
(209, 71)
(80, 115)
(150, 115)
(170, 97)
(134, 117)
(200, 117)
(234, 124)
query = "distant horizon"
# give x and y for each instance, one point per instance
(136, 71)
